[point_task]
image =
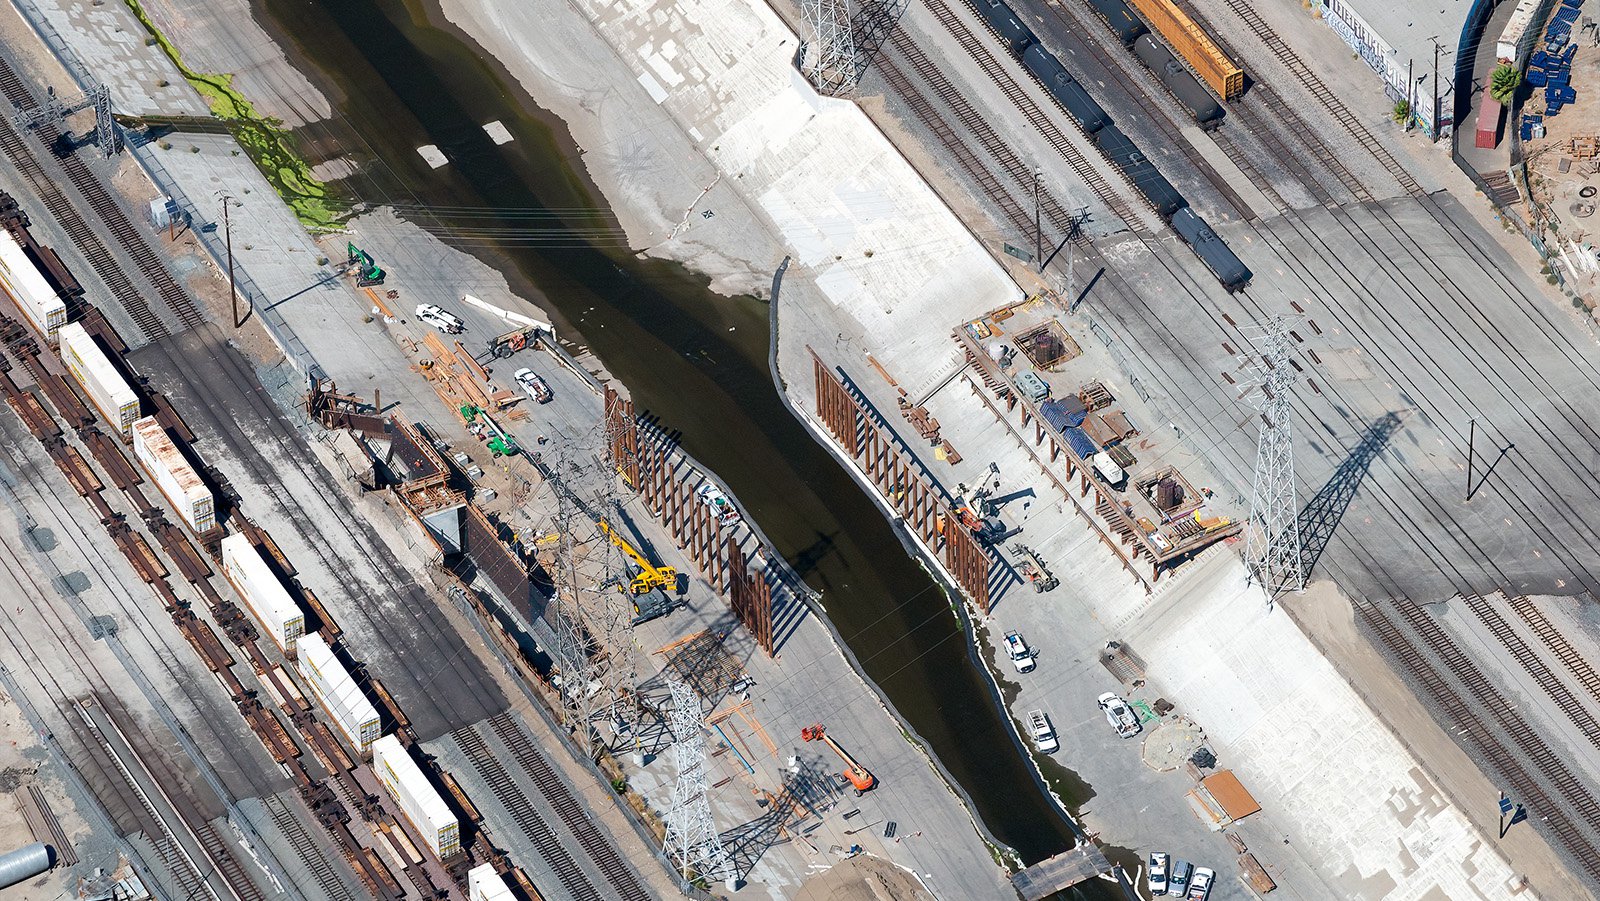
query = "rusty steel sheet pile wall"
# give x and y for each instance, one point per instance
(665, 480)
(901, 481)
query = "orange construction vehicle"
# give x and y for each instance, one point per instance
(860, 778)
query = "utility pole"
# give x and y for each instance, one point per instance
(1437, 47)
(1411, 94)
(1038, 231)
(227, 240)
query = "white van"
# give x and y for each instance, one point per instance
(1019, 652)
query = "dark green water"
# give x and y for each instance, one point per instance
(697, 360)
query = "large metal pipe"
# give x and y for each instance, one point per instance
(25, 863)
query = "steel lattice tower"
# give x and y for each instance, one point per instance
(829, 60)
(1273, 544)
(592, 615)
(692, 838)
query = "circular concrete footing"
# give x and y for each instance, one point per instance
(1170, 743)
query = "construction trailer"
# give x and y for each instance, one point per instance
(101, 381)
(336, 690)
(263, 593)
(179, 483)
(411, 790)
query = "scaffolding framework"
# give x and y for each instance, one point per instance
(692, 838)
(1272, 549)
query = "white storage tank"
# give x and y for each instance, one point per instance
(107, 389)
(183, 487)
(337, 692)
(416, 797)
(484, 884)
(29, 289)
(264, 596)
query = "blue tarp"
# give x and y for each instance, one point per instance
(1080, 442)
(1536, 77)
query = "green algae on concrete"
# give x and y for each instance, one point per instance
(264, 138)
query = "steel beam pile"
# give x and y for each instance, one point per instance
(901, 480)
(666, 481)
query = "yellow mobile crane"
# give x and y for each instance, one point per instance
(650, 576)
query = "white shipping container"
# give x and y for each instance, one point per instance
(100, 379)
(275, 611)
(337, 691)
(177, 480)
(416, 797)
(484, 884)
(29, 289)
(1505, 49)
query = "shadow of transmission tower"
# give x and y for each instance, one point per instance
(1320, 517)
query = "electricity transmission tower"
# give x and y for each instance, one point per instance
(829, 58)
(1273, 544)
(692, 838)
(592, 616)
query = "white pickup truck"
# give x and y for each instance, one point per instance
(1044, 735)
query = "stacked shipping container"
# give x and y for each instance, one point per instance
(177, 480)
(29, 289)
(484, 884)
(337, 692)
(416, 797)
(263, 594)
(106, 388)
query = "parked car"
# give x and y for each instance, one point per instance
(1157, 879)
(1120, 715)
(533, 385)
(440, 319)
(1200, 885)
(1178, 878)
(1044, 735)
(1019, 652)
(722, 508)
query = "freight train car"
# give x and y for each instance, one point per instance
(179, 483)
(1017, 36)
(29, 289)
(484, 884)
(1205, 109)
(337, 692)
(1139, 171)
(101, 381)
(264, 596)
(1116, 14)
(1065, 89)
(416, 797)
(1211, 249)
(1191, 42)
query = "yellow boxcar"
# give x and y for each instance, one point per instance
(1191, 42)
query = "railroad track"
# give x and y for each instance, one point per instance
(109, 211)
(1469, 723)
(1535, 667)
(1575, 662)
(545, 841)
(1134, 76)
(597, 846)
(1019, 172)
(1297, 67)
(307, 850)
(1575, 796)
(1091, 176)
(964, 157)
(228, 863)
